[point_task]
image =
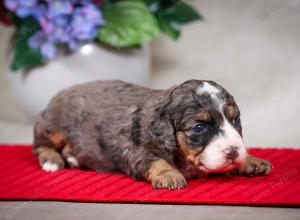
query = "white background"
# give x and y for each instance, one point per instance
(250, 47)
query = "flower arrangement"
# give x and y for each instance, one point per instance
(45, 27)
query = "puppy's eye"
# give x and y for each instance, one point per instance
(236, 120)
(200, 128)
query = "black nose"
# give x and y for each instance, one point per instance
(231, 153)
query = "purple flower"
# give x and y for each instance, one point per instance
(48, 50)
(59, 7)
(39, 11)
(57, 28)
(74, 44)
(23, 8)
(85, 21)
(41, 41)
(62, 22)
(61, 29)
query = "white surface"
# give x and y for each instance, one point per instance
(250, 47)
(33, 90)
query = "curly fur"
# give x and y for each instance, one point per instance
(113, 126)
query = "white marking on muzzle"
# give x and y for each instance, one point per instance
(214, 157)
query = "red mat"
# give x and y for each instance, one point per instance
(22, 179)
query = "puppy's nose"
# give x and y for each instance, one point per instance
(231, 153)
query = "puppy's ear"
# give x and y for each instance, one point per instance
(163, 132)
(162, 129)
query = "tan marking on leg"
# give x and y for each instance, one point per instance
(163, 175)
(157, 167)
(58, 140)
(50, 160)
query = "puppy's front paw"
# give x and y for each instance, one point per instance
(253, 167)
(171, 179)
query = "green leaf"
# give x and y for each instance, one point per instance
(168, 29)
(28, 25)
(128, 23)
(173, 14)
(179, 12)
(25, 57)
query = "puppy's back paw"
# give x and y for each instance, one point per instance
(50, 160)
(50, 166)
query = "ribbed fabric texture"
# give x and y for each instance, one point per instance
(22, 179)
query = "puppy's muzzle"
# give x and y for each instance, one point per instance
(231, 153)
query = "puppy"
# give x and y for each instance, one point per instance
(162, 136)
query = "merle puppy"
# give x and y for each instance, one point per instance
(162, 136)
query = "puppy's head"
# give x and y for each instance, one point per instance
(207, 126)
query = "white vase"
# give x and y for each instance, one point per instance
(33, 89)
